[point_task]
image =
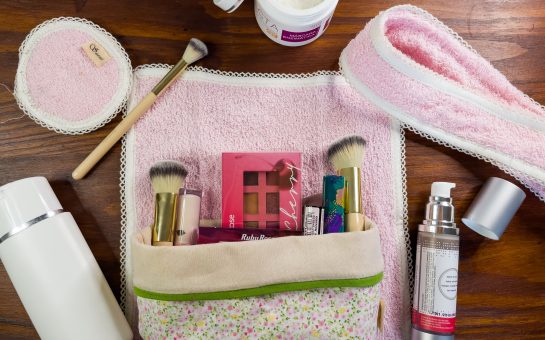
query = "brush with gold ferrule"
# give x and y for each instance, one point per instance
(194, 51)
(346, 156)
(167, 177)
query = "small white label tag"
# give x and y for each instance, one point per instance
(96, 53)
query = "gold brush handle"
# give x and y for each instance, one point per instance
(354, 222)
(114, 136)
(164, 223)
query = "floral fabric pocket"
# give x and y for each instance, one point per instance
(323, 287)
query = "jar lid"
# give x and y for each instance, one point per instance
(494, 207)
(228, 6)
(25, 201)
(73, 76)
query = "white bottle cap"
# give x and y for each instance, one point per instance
(25, 200)
(442, 189)
(228, 6)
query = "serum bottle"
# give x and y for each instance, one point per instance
(436, 272)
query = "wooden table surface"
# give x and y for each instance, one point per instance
(502, 283)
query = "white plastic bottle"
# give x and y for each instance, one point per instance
(52, 268)
(436, 272)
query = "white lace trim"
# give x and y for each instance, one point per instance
(57, 124)
(521, 178)
(246, 78)
(159, 69)
(232, 78)
(128, 218)
(402, 220)
(410, 264)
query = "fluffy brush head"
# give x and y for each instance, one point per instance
(347, 152)
(167, 176)
(194, 51)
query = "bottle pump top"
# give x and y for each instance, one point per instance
(442, 189)
(440, 211)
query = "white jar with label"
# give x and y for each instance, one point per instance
(294, 22)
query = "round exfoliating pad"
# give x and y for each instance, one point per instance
(73, 76)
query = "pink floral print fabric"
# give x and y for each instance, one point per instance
(329, 313)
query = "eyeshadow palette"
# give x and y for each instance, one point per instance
(261, 190)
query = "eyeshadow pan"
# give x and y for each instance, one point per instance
(251, 177)
(273, 224)
(251, 224)
(273, 202)
(251, 203)
(272, 178)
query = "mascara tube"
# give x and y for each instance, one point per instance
(313, 220)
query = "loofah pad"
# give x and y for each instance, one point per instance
(60, 87)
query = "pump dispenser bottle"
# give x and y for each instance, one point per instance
(436, 272)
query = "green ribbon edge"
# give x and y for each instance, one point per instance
(263, 290)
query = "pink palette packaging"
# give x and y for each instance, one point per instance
(215, 235)
(261, 190)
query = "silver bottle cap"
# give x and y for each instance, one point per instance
(494, 207)
(440, 211)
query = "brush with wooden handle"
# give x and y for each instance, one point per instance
(194, 51)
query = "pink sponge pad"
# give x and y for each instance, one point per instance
(60, 87)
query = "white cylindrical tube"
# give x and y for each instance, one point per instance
(52, 268)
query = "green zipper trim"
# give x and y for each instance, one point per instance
(269, 289)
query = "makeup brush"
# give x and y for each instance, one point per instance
(167, 177)
(194, 51)
(346, 156)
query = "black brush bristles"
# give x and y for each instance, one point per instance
(167, 176)
(347, 152)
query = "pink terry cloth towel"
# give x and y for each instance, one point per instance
(419, 71)
(210, 112)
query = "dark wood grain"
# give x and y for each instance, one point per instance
(502, 284)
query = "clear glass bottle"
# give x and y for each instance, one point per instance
(436, 270)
